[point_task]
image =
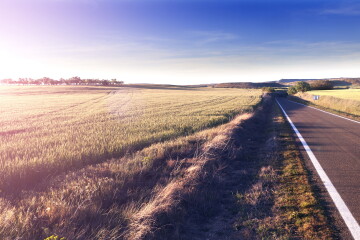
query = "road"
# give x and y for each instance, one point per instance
(335, 144)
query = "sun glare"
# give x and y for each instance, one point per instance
(15, 64)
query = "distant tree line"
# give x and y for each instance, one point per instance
(61, 81)
(355, 81)
(299, 87)
(268, 89)
(248, 85)
(314, 85)
(322, 85)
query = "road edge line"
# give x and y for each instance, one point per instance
(326, 112)
(344, 211)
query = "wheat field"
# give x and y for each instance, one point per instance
(345, 102)
(351, 94)
(74, 158)
(46, 130)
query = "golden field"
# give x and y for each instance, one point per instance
(344, 101)
(47, 130)
(148, 162)
(351, 94)
(70, 159)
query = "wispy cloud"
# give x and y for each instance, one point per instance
(345, 10)
(204, 37)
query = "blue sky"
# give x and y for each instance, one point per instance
(180, 41)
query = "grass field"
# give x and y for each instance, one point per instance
(343, 102)
(351, 94)
(125, 163)
(47, 130)
(69, 153)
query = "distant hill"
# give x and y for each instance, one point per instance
(248, 85)
(340, 82)
(296, 80)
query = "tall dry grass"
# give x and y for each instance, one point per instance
(118, 199)
(352, 94)
(346, 106)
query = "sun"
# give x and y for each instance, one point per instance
(15, 63)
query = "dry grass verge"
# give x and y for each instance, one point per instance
(280, 202)
(162, 216)
(248, 182)
(257, 188)
(106, 201)
(344, 107)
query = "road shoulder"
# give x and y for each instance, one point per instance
(325, 109)
(265, 191)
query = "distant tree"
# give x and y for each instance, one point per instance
(46, 81)
(62, 81)
(7, 81)
(23, 81)
(74, 80)
(292, 90)
(322, 85)
(114, 81)
(302, 86)
(268, 89)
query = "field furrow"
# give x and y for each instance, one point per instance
(45, 131)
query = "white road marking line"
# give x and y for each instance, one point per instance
(326, 112)
(344, 211)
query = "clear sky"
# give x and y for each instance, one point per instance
(180, 41)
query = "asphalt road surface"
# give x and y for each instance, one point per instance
(335, 142)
